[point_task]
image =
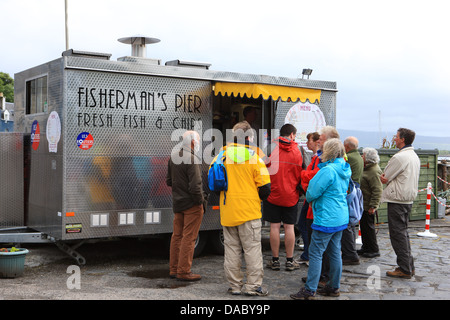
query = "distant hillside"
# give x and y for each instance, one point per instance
(373, 139)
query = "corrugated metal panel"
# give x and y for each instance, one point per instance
(11, 174)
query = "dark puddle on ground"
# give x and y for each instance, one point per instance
(161, 274)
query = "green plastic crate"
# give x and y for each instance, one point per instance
(428, 173)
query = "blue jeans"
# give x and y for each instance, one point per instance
(331, 244)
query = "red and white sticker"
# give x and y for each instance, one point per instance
(85, 140)
(35, 135)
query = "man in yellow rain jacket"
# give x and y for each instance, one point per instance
(240, 215)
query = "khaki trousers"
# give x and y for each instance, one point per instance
(243, 238)
(186, 225)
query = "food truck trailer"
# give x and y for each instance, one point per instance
(92, 138)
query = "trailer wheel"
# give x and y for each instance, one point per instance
(200, 243)
(216, 241)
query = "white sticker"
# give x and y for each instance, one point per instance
(306, 117)
(53, 131)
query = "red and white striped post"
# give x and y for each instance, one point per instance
(359, 239)
(427, 232)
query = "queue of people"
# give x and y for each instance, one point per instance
(276, 184)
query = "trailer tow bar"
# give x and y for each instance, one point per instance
(70, 250)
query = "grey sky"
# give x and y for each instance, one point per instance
(388, 57)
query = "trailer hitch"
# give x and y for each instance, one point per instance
(70, 250)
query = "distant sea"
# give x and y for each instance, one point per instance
(373, 139)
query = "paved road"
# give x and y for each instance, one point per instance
(138, 270)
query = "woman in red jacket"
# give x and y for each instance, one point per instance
(305, 219)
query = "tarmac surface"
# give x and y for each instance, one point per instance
(133, 269)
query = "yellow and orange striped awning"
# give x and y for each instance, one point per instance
(254, 90)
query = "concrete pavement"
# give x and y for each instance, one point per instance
(368, 280)
(132, 269)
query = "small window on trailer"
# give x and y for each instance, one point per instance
(36, 95)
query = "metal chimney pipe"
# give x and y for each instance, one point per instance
(138, 44)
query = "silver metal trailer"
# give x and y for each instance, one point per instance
(97, 136)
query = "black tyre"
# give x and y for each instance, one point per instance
(200, 243)
(216, 241)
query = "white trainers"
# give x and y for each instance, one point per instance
(301, 261)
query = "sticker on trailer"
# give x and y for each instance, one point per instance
(35, 135)
(85, 141)
(74, 227)
(53, 131)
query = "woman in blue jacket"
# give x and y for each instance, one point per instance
(327, 192)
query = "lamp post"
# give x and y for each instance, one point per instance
(67, 24)
(306, 72)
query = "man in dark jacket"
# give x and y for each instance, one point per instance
(372, 189)
(354, 159)
(285, 167)
(188, 197)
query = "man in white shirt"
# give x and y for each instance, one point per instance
(401, 177)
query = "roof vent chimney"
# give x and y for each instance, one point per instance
(138, 43)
